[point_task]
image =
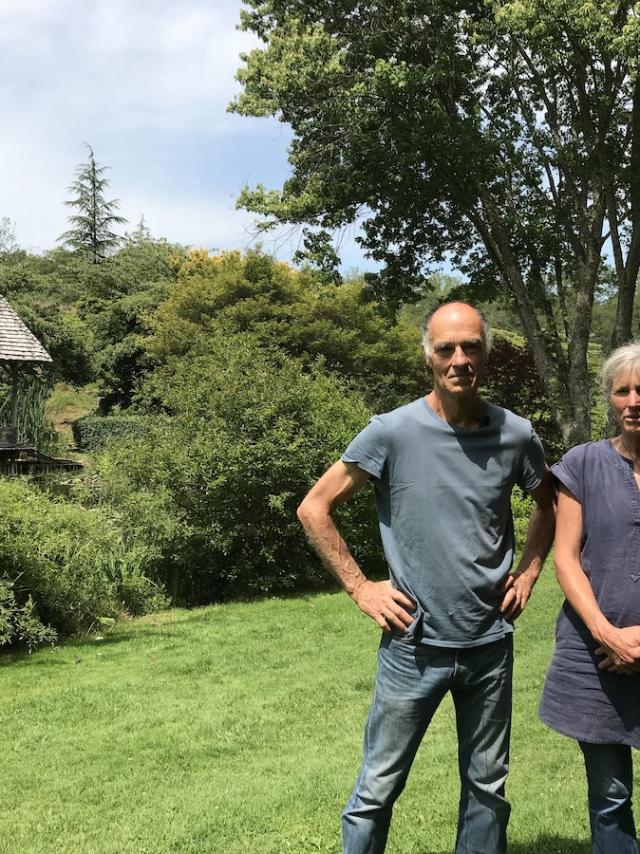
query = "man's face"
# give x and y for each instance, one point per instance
(458, 353)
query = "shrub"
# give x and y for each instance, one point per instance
(93, 431)
(250, 432)
(21, 622)
(293, 311)
(521, 506)
(63, 567)
(34, 426)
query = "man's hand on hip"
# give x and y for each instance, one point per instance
(388, 607)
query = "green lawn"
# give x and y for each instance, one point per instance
(238, 728)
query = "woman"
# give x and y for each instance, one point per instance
(592, 690)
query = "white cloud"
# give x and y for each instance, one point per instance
(158, 65)
(147, 83)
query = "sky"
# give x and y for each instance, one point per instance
(146, 84)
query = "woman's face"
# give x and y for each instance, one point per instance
(625, 399)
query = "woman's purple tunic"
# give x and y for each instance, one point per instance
(578, 699)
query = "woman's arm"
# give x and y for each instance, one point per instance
(620, 647)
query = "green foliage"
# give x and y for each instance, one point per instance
(66, 338)
(521, 507)
(121, 327)
(93, 318)
(34, 426)
(20, 623)
(495, 135)
(512, 381)
(63, 567)
(93, 431)
(296, 313)
(221, 477)
(143, 260)
(91, 233)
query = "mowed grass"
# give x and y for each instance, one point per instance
(238, 728)
(66, 404)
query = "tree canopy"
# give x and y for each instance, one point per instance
(502, 135)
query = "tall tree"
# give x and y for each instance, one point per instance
(7, 236)
(92, 232)
(505, 135)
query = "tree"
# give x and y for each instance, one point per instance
(296, 313)
(7, 237)
(504, 135)
(92, 224)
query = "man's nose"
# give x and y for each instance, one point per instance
(459, 357)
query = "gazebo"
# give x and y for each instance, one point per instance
(19, 348)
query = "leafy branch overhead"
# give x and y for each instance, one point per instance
(92, 226)
(502, 135)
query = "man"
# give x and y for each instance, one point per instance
(443, 468)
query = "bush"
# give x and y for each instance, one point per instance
(293, 311)
(63, 567)
(21, 622)
(522, 506)
(34, 426)
(93, 431)
(220, 479)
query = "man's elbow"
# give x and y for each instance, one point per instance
(302, 512)
(306, 512)
(311, 511)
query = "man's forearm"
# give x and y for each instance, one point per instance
(389, 608)
(540, 531)
(517, 587)
(330, 547)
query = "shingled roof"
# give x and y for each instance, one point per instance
(17, 343)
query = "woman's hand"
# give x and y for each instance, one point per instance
(621, 650)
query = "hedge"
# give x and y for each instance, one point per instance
(93, 431)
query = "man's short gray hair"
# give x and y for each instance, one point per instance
(623, 360)
(486, 332)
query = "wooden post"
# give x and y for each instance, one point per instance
(13, 426)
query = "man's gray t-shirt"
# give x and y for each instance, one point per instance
(443, 498)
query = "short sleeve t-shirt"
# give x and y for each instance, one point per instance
(443, 500)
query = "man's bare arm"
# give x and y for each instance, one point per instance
(378, 599)
(540, 531)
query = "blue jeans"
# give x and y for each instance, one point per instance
(610, 782)
(411, 682)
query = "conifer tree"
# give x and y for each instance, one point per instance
(92, 224)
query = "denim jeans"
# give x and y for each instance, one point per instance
(410, 684)
(610, 782)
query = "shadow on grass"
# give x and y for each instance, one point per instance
(546, 844)
(7, 659)
(36, 658)
(122, 637)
